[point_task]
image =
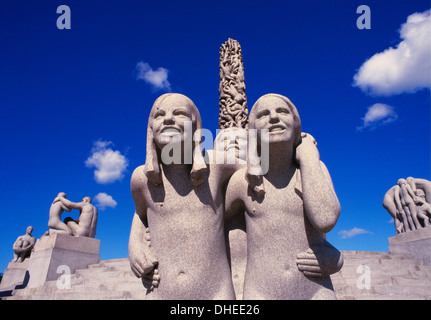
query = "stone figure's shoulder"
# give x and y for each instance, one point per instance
(139, 179)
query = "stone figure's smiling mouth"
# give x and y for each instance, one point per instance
(232, 146)
(170, 130)
(277, 128)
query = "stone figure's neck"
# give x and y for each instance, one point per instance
(281, 158)
(173, 169)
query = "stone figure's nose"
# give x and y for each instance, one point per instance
(273, 117)
(168, 118)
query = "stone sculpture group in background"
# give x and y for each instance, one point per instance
(84, 226)
(409, 204)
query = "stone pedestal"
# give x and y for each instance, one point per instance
(60, 250)
(413, 244)
(14, 274)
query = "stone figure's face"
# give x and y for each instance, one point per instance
(86, 199)
(232, 141)
(274, 115)
(169, 122)
(29, 229)
(420, 193)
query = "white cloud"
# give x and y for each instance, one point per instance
(346, 234)
(103, 201)
(405, 68)
(378, 114)
(158, 79)
(110, 165)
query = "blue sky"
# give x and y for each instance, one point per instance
(75, 102)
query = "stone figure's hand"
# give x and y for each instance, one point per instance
(151, 280)
(142, 260)
(320, 261)
(307, 148)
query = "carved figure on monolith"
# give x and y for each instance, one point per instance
(289, 204)
(232, 98)
(23, 245)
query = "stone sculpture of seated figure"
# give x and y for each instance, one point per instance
(23, 245)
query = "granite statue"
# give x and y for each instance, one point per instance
(288, 209)
(409, 204)
(176, 240)
(23, 246)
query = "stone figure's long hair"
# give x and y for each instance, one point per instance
(152, 161)
(254, 172)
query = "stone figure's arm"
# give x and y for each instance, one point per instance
(389, 202)
(70, 204)
(410, 191)
(142, 259)
(234, 203)
(320, 201)
(425, 185)
(397, 198)
(30, 244)
(15, 244)
(320, 261)
(65, 207)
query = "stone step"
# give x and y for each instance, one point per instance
(380, 261)
(115, 263)
(105, 274)
(383, 297)
(406, 289)
(392, 278)
(367, 254)
(95, 285)
(378, 281)
(387, 266)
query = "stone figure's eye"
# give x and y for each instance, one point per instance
(262, 114)
(180, 113)
(159, 114)
(283, 110)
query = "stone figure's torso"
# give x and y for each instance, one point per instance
(187, 238)
(278, 230)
